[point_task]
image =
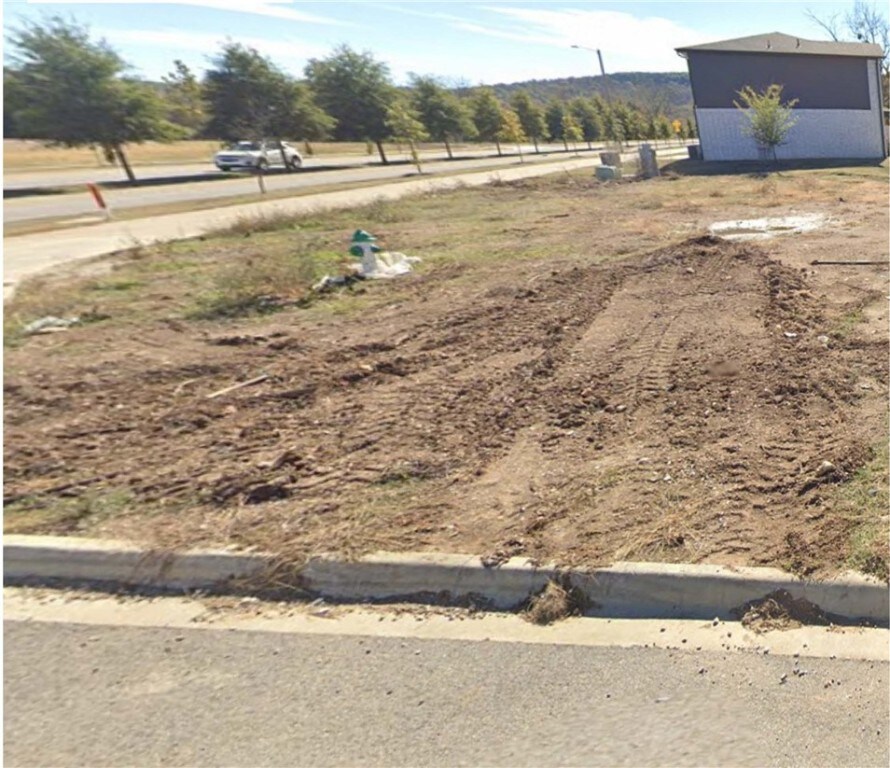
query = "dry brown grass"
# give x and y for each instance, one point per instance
(24, 155)
(558, 600)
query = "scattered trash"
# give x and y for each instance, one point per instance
(790, 335)
(822, 340)
(375, 262)
(337, 281)
(50, 324)
(763, 229)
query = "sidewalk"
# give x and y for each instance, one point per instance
(29, 255)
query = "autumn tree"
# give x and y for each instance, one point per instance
(405, 125)
(571, 131)
(531, 117)
(511, 130)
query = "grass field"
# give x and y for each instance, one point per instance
(22, 155)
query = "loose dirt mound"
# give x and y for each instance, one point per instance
(779, 610)
(678, 407)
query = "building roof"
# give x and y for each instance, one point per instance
(777, 42)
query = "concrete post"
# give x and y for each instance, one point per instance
(648, 163)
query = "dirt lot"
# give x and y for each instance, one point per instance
(577, 373)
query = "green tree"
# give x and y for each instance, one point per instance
(769, 120)
(184, 98)
(553, 116)
(663, 128)
(487, 116)
(587, 116)
(356, 90)
(13, 102)
(511, 130)
(405, 125)
(571, 131)
(72, 91)
(444, 115)
(690, 129)
(249, 97)
(531, 117)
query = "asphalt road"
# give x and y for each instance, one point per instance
(26, 255)
(26, 209)
(110, 696)
(20, 179)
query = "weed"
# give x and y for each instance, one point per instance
(37, 514)
(264, 282)
(768, 187)
(104, 286)
(846, 323)
(244, 226)
(381, 211)
(864, 500)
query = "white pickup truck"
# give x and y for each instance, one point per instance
(257, 155)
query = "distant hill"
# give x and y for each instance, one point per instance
(637, 87)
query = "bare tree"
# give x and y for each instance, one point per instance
(864, 22)
(830, 24)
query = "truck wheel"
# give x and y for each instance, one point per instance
(262, 165)
(294, 163)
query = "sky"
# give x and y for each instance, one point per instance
(467, 43)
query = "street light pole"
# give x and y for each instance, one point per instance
(599, 56)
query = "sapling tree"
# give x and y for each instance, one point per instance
(769, 120)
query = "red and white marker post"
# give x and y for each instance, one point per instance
(100, 201)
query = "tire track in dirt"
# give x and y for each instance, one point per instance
(676, 406)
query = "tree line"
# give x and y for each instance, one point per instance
(64, 88)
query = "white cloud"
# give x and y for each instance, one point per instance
(290, 55)
(279, 9)
(628, 42)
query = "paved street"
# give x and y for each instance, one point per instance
(30, 254)
(127, 695)
(44, 177)
(232, 185)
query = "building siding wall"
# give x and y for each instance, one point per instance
(817, 82)
(818, 133)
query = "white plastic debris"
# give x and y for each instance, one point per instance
(763, 229)
(50, 324)
(375, 262)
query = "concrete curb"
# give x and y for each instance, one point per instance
(623, 590)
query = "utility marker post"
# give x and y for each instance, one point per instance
(100, 201)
